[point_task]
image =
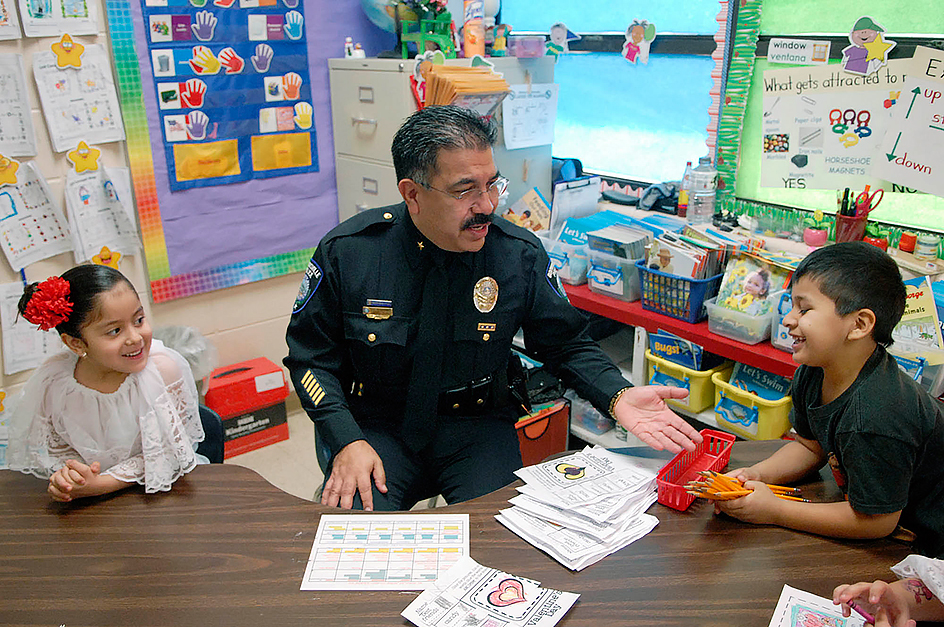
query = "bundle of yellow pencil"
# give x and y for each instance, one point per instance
(719, 487)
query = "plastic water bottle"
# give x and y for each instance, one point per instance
(701, 203)
(685, 190)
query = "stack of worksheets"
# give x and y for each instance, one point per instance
(582, 507)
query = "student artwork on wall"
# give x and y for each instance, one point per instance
(206, 238)
(78, 102)
(639, 37)
(51, 18)
(32, 226)
(24, 346)
(233, 89)
(98, 214)
(17, 138)
(9, 24)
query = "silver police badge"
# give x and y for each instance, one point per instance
(485, 294)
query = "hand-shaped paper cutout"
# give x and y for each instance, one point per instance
(262, 58)
(303, 115)
(204, 26)
(84, 158)
(191, 93)
(68, 53)
(224, 4)
(198, 3)
(107, 258)
(291, 83)
(8, 168)
(197, 124)
(233, 63)
(204, 61)
(291, 3)
(293, 25)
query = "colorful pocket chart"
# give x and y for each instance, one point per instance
(233, 89)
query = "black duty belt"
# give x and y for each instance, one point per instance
(469, 400)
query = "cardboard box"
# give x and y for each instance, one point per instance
(250, 398)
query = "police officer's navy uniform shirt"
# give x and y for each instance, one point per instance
(350, 368)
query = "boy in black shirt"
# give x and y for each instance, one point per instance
(881, 433)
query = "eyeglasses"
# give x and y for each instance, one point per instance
(470, 196)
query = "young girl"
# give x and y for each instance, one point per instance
(916, 596)
(116, 409)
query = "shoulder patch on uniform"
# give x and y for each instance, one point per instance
(310, 283)
(553, 279)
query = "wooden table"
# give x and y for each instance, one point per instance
(226, 548)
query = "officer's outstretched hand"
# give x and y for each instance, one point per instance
(351, 471)
(642, 410)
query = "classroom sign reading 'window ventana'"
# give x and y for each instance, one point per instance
(233, 89)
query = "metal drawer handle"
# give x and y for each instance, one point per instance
(363, 121)
(365, 94)
(360, 208)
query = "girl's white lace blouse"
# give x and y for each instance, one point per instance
(145, 432)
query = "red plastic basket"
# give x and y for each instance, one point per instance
(712, 454)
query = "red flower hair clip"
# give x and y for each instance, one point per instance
(49, 305)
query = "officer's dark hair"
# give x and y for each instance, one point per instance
(857, 275)
(417, 144)
(86, 283)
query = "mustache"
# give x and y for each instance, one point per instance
(477, 219)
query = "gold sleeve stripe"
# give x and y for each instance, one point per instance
(314, 389)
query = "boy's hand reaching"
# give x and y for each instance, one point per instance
(74, 480)
(888, 603)
(745, 474)
(759, 507)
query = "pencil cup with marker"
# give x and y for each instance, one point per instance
(850, 228)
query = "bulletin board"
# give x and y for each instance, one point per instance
(203, 238)
(740, 128)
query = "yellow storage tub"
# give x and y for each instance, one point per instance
(701, 391)
(749, 415)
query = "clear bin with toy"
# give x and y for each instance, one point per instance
(613, 276)
(740, 325)
(713, 453)
(747, 414)
(779, 333)
(570, 260)
(701, 390)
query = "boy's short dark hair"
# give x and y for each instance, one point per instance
(856, 275)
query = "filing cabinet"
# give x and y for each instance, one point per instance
(370, 98)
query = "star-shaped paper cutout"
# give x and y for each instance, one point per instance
(84, 159)
(878, 49)
(68, 52)
(107, 258)
(8, 168)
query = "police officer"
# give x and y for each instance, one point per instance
(400, 337)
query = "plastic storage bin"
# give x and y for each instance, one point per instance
(676, 296)
(738, 325)
(701, 391)
(613, 276)
(749, 415)
(713, 453)
(587, 416)
(779, 334)
(570, 260)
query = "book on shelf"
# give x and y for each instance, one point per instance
(770, 387)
